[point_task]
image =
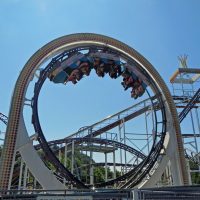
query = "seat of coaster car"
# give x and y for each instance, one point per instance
(60, 77)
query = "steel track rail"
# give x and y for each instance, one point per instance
(98, 141)
(44, 144)
(189, 106)
(3, 118)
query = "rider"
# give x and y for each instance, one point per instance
(85, 68)
(138, 89)
(75, 76)
(128, 80)
(100, 67)
(115, 71)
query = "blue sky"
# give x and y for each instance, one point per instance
(160, 30)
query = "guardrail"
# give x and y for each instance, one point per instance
(168, 193)
(103, 194)
(164, 193)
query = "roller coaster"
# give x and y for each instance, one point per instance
(68, 60)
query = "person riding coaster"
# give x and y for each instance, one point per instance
(101, 67)
(104, 62)
(138, 89)
(85, 68)
(63, 69)
(115, 71)
(73, 68)
(131, 80)
(128, 80)
(75, 76)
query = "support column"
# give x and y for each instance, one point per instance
(60, 154)
(198, 125)
(20, 174)
(120, 139)
(106, 168)
(124, 134)
(34, 183)
(65, 156)
(72, 160)
(91, 169)
(114, 164)
(65, 159)
(146, 126)
(25, 177)
(189, 173)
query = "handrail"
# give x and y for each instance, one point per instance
(114, 115)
